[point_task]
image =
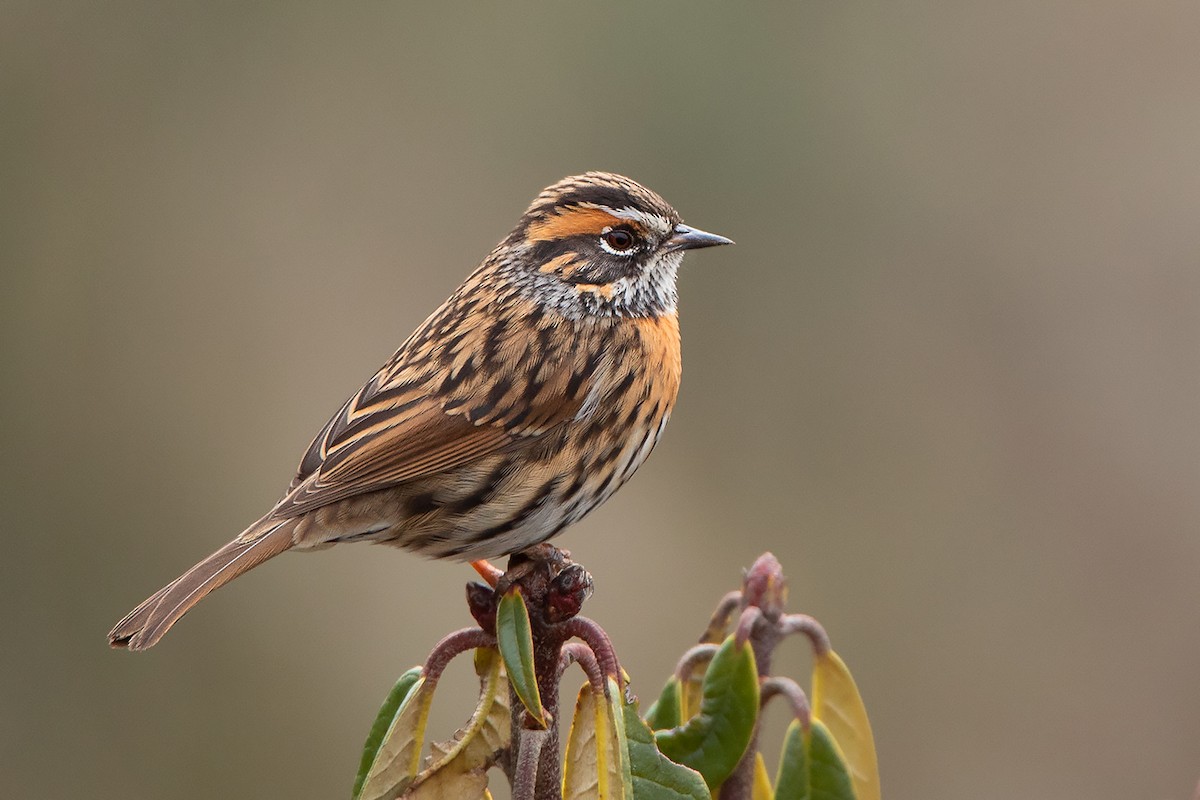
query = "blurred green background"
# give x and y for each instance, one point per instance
(949, 375)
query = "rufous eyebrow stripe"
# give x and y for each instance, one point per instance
(571, 221)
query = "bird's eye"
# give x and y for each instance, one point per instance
(617, 240)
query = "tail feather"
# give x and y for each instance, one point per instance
(149, 622)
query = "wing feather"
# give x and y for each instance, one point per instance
(460, 388)
(370, 446)
(429, 443)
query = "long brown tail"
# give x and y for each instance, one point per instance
(149, 622)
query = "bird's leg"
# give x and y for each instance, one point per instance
(490, 574)
(554, 589)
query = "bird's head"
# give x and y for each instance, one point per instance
(601, 243)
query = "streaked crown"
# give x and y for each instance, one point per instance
(601, 190)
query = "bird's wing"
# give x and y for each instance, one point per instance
(399, 429)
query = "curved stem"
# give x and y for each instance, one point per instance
(696, 655)
(587, 630)
(452, 645)
(786, 687)
(721, 617)
(745, 624)
(803, 623)
(579, 653)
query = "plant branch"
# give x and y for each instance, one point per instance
(452, 645)
(803, 623)
(788, 688)
(524, 784)
(596, 638)
(692, 659)
(721, 617)
(579, 653)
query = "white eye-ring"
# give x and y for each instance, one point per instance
(617, 241)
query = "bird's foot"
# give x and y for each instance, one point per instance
(554, 587)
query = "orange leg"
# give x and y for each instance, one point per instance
(486, 571)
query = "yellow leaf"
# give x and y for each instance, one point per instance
(451, 785)
(594, 767)
(620, 743)
(837, 704)
(458, 768)
(396, 763)
(762, 781)
(691, 692)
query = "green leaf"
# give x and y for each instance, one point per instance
(653, 775)
(811, 767)
(837, 704)
(593, 768)
(791, 781)
(665, 713)
(383, 720)
(515, 641)
(458, 768)
(714, 740)
(395, 763)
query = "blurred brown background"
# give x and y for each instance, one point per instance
(950, 373)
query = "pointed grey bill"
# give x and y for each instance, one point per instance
(687, 238)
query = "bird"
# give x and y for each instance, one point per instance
(521, 404)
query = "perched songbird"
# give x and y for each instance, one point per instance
(520, 405)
